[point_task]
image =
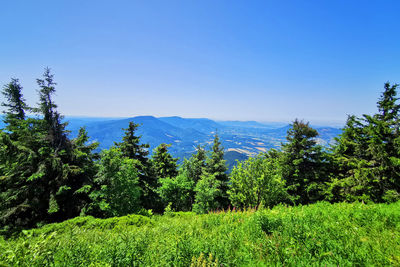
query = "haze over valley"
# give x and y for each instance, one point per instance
(240, 139)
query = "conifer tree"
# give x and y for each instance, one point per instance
(131, 146)
(302, 163)
(367, 154)
(193, 168)
(216, 167)
(54, 128)
(46, 176)
(383, 129)
(17, 159)
(133, 149)
(15, 105)
(195, 165)
(164, 165)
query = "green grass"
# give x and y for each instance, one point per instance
(317, 235)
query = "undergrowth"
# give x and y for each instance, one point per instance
(321, 234)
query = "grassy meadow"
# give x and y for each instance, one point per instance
(321, 234)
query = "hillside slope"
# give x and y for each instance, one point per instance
(321, 234)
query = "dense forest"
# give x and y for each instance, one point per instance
(303, 204)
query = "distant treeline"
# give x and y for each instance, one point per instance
(47, 177)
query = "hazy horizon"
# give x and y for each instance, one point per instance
(315, 123)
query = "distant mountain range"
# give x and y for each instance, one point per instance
(240, 139)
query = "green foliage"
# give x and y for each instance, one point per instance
(177, 191)
(163, 164)
(216, 167)
(43, 173)
(367, 154)
(257, 181)
(207, 190)
(117, 191)
(193, 168)
(133, 149)
(317, 235)
(15, 105)
(303, 164)
(195, 165)
(46, 177)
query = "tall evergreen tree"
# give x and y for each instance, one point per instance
(164, 165)
(384, 150)
(195, 165)
(15, 105)
(133, 149)
(193, 168)
(17, 161)
(56, 133)
(45, 176)
(302, 163)
(131, 146)
(216, 166)
(368, 156)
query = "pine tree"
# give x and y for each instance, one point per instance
(302, 163)
(216, 167)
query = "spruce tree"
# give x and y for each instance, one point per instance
(193, 168)
(368, 156)
(52, 124)
(15, 105)
(302, 163)
(383, 129)
(216, 167)
(46, 176)
(17, 161)
(133, 149)
(164, 165)
(131, 146)
(195, 165)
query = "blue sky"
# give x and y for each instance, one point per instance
(236, 60)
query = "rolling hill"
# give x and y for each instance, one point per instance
(240, 139)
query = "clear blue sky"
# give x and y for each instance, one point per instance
(242, 60)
